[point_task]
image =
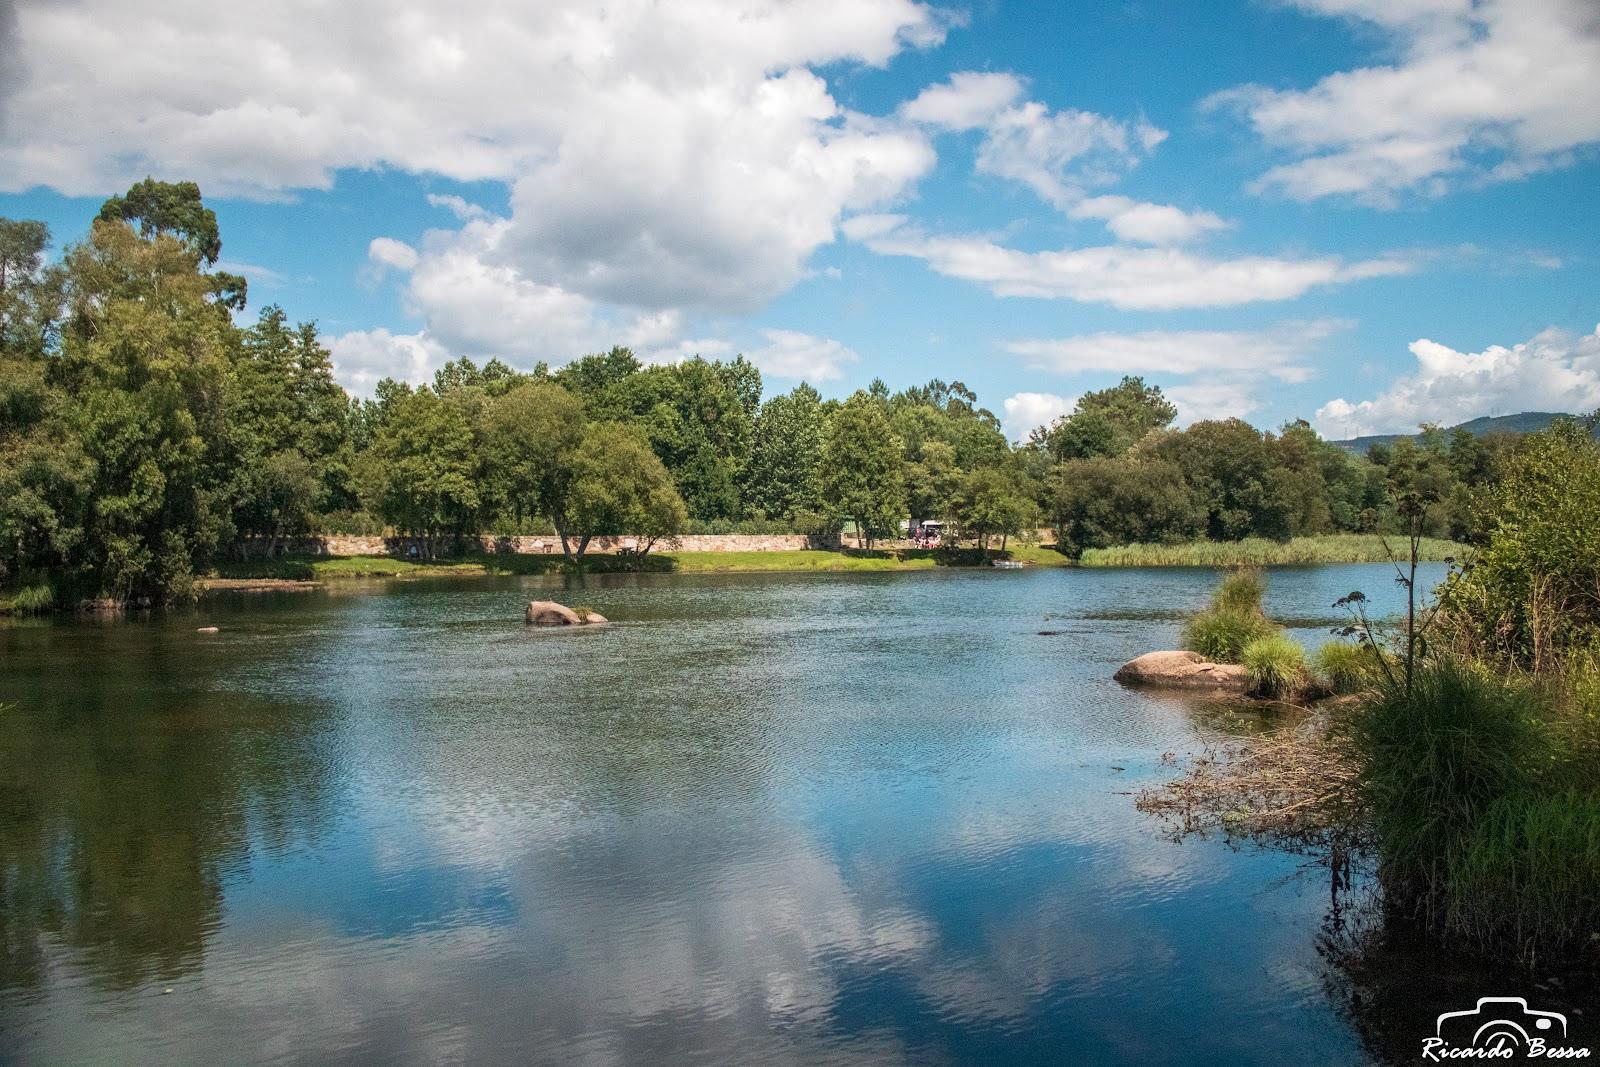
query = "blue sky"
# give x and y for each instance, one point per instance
(1365, 213)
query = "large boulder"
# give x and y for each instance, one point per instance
(1184, 670)
(549, 613)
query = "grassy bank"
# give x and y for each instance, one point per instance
(336, 568)
(1330, 548)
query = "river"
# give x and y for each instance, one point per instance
(812, 819)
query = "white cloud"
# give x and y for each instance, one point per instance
(1124, 277)
(362, 358)
(1485, 91)
(387, 252)
(967, 101)
(659, 157)
(457, 206)
(1145, 223)
(1232, 366)
(791, 354)
(1553, 371)
(1026, 411)
(1057, 154)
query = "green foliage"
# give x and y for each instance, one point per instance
(1434, 761)
(784, 477)
(420, 473)
(1531, 591)
(1527, 873)
(1101, 502)
(1240, 592)
(1327, 548)
(1221, 637)
(1108, 422)
(620, 487)
(995, 501)
(1276, 664)
(28, 598)
(862, 472)
(1347, 666)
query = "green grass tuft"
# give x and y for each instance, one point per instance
(1348, 666)
(31, 599)
(1240, 592)
(1221, 637)
(1276, 664)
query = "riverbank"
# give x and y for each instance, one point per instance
(296, 571)
(292, 571)
(1259, 552)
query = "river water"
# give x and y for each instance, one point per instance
(811, 819)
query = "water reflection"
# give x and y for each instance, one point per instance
(851, 819)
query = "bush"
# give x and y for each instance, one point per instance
(1434, 761)
(1276, 664)
(1222, 636)
(1528, 873)
(31, 599)
(1240, 592)
(1348, 666)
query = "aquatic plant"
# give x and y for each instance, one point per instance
(1347, 667)
(1260, 552)
(1221, 636)
(1276, 664)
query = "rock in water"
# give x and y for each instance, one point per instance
(593, 618)
(1184, 670)
(205, 630)
(549, 613)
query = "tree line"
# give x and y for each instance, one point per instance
(144, 430)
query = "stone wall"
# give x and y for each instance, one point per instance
(356, 545)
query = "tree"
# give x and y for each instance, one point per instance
(785, 472)
(932, 481)
(288, 431)
(622, 488)
(1101, 502)
(1232, 467)
(419, 472)
(995, 500)
(532, 439)
(861, 462)
(1108, 422)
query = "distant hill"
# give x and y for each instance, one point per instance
(1522, 422)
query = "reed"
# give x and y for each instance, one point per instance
(1254, 551)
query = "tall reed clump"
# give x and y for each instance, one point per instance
(32, 599)
(1276, 664)
(1478, 830)
(1234, 619)
(1347, 666)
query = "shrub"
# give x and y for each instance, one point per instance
(29, 600)
(1276, 664)
(1240, 592)
(1528, 873)
(1348, 666)
(1222, 636)
(1435, 759)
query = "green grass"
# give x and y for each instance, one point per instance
(1255, 551)
(1221, 636)
(1276, 664)
(28, 599)
(335, 568)
(1348, 666)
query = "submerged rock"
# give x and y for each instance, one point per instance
(549, 613)
(1184, 670)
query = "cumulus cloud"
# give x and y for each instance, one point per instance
(791, 354)
(1484, 91)
(1026, 411)
(1553, 371)
(1058, 154)
(1124, 277)
(362, 358)
(658, 156)
(1235, 365)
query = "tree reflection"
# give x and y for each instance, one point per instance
(125, 806)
